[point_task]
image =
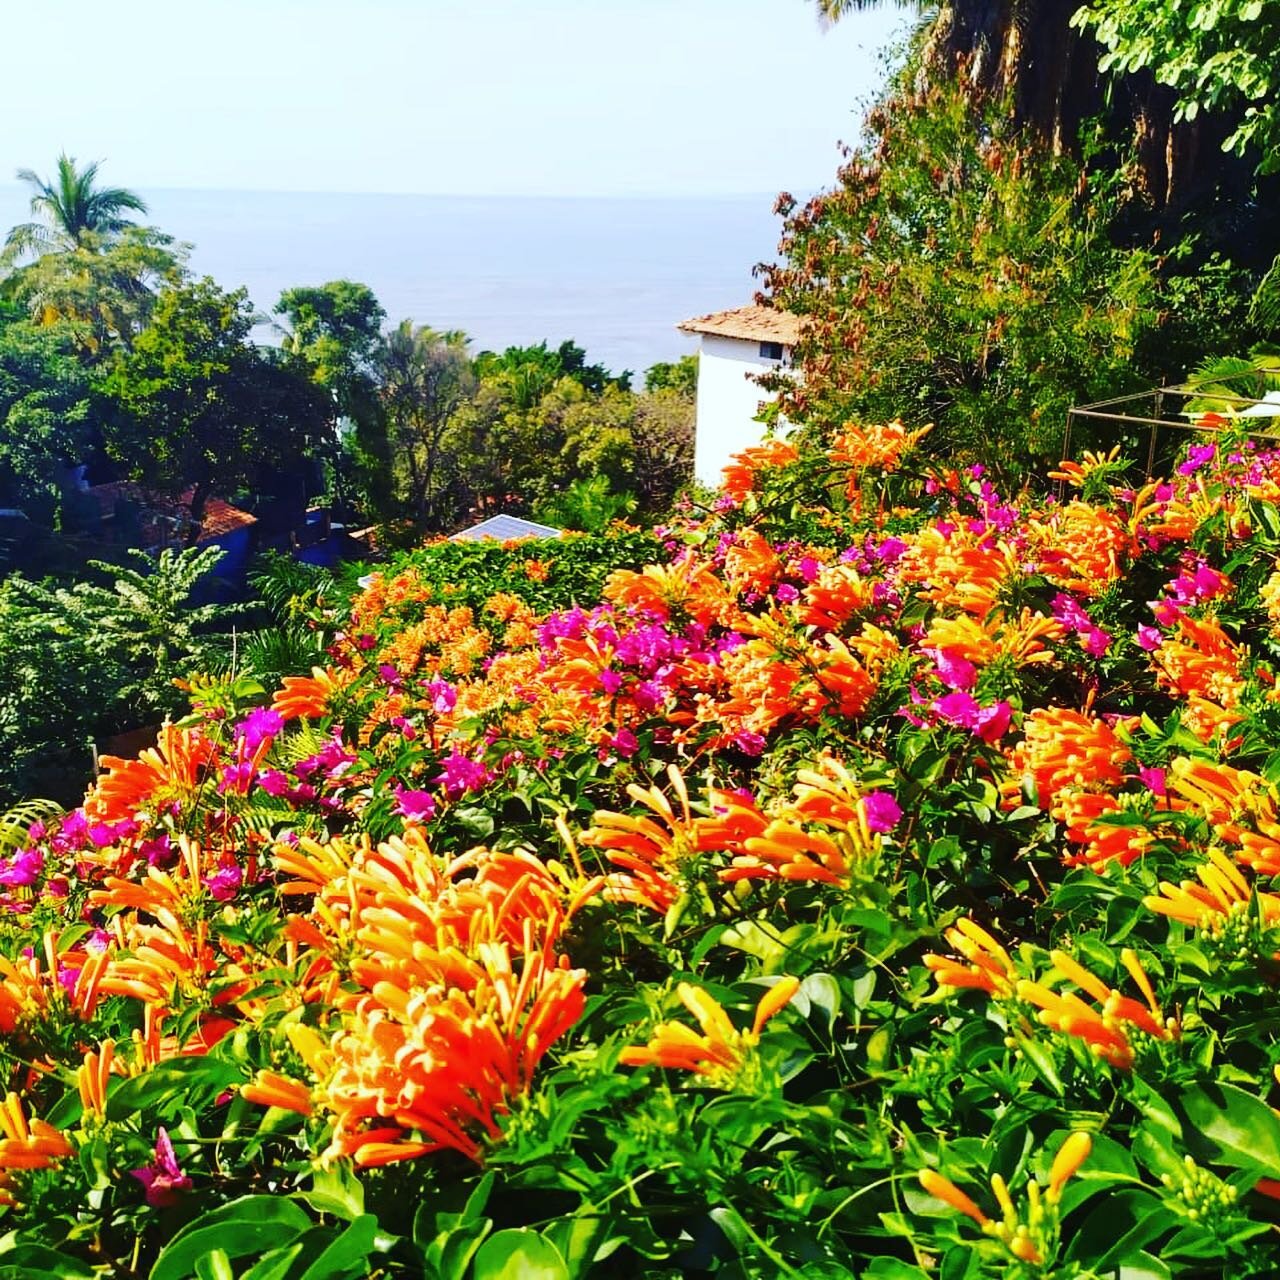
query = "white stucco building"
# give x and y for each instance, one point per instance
(735, 345)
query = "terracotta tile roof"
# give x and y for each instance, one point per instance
(220, 517)
(754, 323)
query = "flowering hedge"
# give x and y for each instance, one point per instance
(877, 884)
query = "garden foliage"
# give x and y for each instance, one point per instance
(877, 884)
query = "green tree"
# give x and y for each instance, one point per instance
(963, 274)
(45, 419)
(586, 505)
(101, 293)
(82, 262)
(1218, 56)
(335, 331)
(680, 376)
(425, 378)
(71, 211)
(200, 407)
(82, 662)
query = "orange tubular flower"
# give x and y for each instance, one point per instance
(1076, 473)
(1081, 547)
(958, 570)
(170, 770)
(789, 848)
(28, 1145)
(269, 1089)
(740, 475)
(834, 596)
(942, 1188)
(880, 447)
(308, 696)
(1106, 1030)
(1031, 1237)
(1102, 843)
(1064, 749)
(1203, 666)
(91, 1079)
(1071, 1155)
(989, 966)
(751, 563)
(1221, 894)
(454, 992)
(721, 1051)
(1218, 790)
(843, 677)
(443, 1061)
(688, 588)
(1023, 639)
(649, 851)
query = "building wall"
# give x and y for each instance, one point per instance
(728, 402)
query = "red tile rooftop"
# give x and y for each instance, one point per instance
(220, 517)
(754, 323)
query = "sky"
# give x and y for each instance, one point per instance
(448, 97)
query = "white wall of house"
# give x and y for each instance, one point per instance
(728, 401)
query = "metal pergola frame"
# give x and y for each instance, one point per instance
(1112, 411)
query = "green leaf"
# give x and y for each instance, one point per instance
(251, 1224)
(215, 1265)
(822, 992)
(27, 1260)
(337, 1191)
(1143, 1267)
(277, 1264)
(1244, 1129)
(1118, 1228)
(193, 1081)
(892, 1269)
(347, 1254)
(519, 1255)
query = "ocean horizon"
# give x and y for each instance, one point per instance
(615, 274)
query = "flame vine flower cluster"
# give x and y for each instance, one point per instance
(727, 902)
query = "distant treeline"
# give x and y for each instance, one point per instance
(117, 365)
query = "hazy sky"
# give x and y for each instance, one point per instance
(563, 97)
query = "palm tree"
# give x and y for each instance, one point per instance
(72, 212)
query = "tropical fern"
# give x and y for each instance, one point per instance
(306, 740)
(275, 652)
(288, 587)
(15, 823)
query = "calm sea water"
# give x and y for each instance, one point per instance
(615, 275)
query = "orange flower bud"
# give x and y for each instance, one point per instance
(945, 1190)
(1071, 1155)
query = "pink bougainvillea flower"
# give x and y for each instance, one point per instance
(259, 726)
(959, 708)
(953, 670)
(417, 806)
(224, 883)
(162, 1180)
(991, 722)
(882, 810)
(461, 775)
(1197, 456)
(22, 869)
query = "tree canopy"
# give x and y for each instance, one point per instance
(200, 407)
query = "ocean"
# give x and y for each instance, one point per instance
(615, 275)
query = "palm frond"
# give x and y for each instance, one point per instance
(1221, 383)
(1264, 307)
(16, 823)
